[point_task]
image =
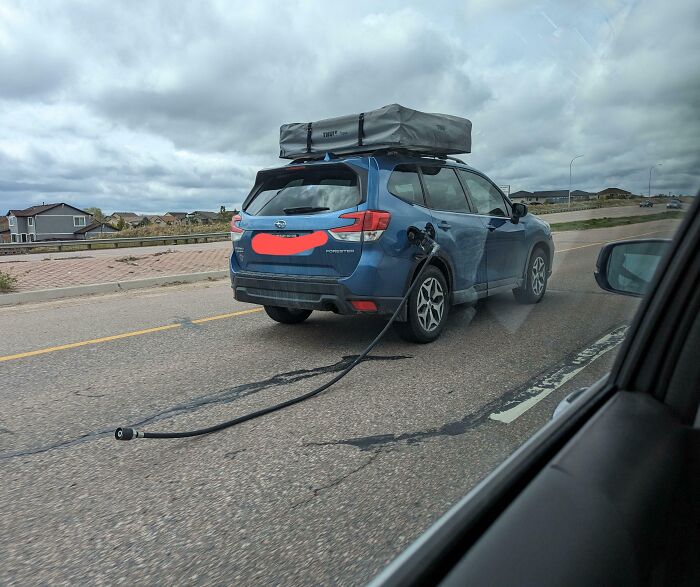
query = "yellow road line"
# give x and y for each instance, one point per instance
(74, 345)
(222, 316)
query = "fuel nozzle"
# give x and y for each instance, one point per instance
(422, 239)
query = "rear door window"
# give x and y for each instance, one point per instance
(310, 190)
(404, 183)
(485, 196)
(444, 192)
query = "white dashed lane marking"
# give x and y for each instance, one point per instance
(554, 379)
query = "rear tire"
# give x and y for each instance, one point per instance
(287, 315)
(532, 291)
(426, 308)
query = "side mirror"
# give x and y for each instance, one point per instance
(519, 210)
(627, 267)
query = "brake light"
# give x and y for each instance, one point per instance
(236, 231)
(368, 225)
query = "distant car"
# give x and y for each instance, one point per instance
(674, 204)
(646, 204)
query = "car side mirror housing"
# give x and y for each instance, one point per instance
(519, 210)
(628, 267)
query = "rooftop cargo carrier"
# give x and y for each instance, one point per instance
(390, 127)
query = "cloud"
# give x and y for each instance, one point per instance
(150, 106)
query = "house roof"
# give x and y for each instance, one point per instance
(581, 193)
(520, 194)
(125, 214)
(204, 214)
(178, 215)
(34, 210)
(614, 190)
(92, 226)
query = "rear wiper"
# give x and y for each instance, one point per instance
(305, 209)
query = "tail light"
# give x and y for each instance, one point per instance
(368, 225)
(236, 231)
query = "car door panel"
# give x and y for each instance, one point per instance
(461, 234)
(623, 507)
(505, 240)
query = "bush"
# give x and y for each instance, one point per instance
(7, 282)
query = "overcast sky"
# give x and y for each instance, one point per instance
(156, 106)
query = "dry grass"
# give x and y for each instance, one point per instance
(158, 230)
(618, 221)
(7, 282)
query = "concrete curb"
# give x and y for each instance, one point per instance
(42, 295)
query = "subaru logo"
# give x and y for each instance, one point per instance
(280, 224)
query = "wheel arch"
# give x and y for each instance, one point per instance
(540, 243)
(442, 264)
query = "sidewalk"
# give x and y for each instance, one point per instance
(83, 268)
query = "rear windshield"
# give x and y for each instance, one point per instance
(306, 191)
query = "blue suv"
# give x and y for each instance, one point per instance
(332, 235)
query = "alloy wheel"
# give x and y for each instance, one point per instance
(431, 304)
(538, 276)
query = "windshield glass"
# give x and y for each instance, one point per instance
(324, 189)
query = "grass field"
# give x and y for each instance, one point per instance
(606, 222)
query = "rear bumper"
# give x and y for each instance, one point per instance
(308, 293)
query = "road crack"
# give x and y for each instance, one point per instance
(337, 481)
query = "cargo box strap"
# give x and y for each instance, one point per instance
(308, 138)
(360, 129)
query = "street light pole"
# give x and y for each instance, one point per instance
(570, 164)
(650, 170)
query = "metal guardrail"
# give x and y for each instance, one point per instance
(13, 248)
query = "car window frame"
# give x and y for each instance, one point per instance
(416, 167)
(507, 202)
(426, 191)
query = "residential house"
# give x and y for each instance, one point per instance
(179, 217)
(130, 219)
(153, 219)
(523, 196)
(552, 196)
(4, 230)
(580, 195)
(203, 217)
(169, 219)
(614, 194)
(94, 229)
(46, 222)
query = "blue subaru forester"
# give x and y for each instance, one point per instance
(331, 235)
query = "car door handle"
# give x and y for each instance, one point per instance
(445, 225)
(491, 227)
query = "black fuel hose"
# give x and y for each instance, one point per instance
(418, 237)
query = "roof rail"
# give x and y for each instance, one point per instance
(389, 152)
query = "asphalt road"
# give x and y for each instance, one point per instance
(327, 491)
